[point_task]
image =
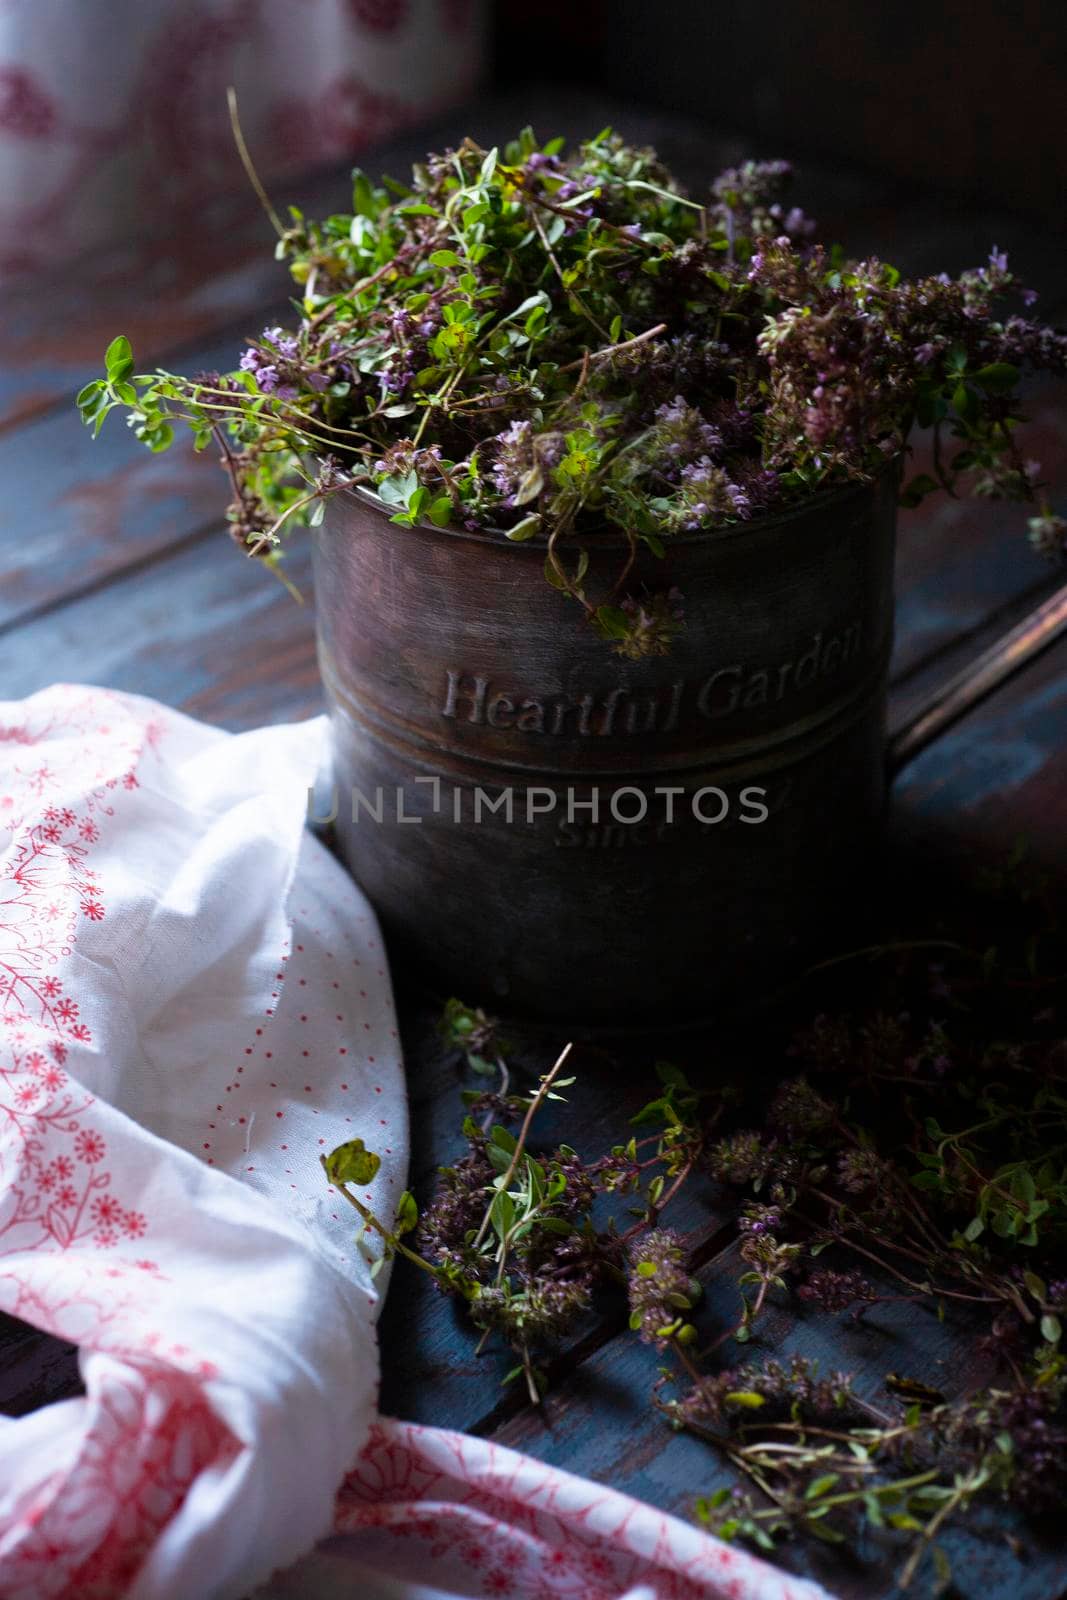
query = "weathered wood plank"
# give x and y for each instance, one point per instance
(170, 295)
(202, 629)
(999, 776)
(965, 565)
(78, 510)
(35, 1369)
(601, 1424)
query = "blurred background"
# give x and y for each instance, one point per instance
(113, 117)
(113, 114)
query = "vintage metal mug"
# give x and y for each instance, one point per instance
(545, 826)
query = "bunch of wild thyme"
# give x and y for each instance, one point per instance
(512, 1232)
(929, 1168)
(542, 343)
(914, 1154)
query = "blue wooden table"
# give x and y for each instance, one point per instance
(113, 570)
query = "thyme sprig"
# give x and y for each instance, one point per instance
(542, 343)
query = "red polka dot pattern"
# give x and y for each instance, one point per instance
(339, 1025)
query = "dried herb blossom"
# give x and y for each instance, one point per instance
(545, 344)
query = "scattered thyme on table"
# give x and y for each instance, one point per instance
(915, 1153)
(541, 344)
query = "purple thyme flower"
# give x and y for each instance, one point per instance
(705, 497)
(758, 1219)
(518, 452)
(835, 1291)
(798, 225)
(283, 342)
(682, 435)
(658, 1284)
(514, 458)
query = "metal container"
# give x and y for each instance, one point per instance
(446, 656)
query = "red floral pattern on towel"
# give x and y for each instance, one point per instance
(125, 131)
(212, 1400)
(57, 1186)
(483, 1521)
(87, 1533)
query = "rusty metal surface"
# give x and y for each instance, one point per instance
(448, 656)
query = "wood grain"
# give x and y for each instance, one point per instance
(964, 566)
(199, 627)
(998, 777)
(601, 1424)
(78, 511)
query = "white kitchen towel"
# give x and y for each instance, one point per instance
(194, 1005)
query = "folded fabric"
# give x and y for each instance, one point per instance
(176, 1049)
(485, 1521)
(194, 1005)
